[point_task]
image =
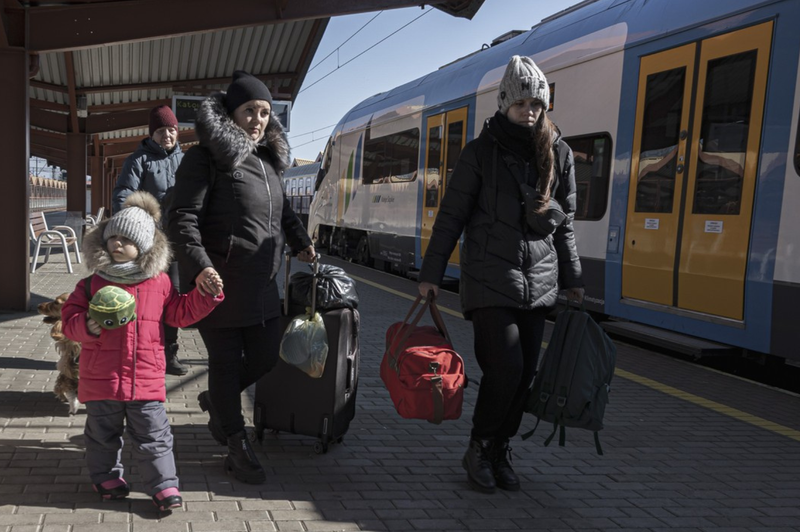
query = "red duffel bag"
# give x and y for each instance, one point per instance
(424, 375)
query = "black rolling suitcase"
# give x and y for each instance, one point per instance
(288, 400)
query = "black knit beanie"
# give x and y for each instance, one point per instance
(243, 88)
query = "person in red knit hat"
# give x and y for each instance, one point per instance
(151, 168)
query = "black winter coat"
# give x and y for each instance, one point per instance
(503, 264)
(228, 211)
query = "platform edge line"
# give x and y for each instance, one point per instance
(711, 405)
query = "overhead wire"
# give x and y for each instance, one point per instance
(347, 62)
(367, 50)
(345, 42)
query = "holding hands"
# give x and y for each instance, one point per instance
(209, 282)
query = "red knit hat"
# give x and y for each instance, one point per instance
(162, 116)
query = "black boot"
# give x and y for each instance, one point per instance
(242, 461)
(479, 468)
(500, 456)
(213, 423)
(174, 366)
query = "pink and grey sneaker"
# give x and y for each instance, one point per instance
(113, 489)
(168, 499)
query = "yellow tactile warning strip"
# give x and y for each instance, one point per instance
(710, 405)
(644, 381)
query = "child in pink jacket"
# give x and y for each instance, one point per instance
(122, 370)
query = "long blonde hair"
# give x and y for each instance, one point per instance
(543, 134)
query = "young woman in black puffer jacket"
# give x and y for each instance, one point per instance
(510, 271)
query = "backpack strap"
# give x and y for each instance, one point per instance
(528, 434)
(87, 287)
(597, 446)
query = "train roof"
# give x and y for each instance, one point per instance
(603, 26)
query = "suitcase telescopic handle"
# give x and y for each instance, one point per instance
(287, 268)
(314, 280)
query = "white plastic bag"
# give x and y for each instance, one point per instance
(305, 344)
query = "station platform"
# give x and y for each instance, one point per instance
(686, 448)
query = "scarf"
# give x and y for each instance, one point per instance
(514, 137)
(123, 273)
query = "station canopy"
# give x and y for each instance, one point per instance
(98, 66)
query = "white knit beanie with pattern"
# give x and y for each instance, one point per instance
(135, 224)
(522, 79)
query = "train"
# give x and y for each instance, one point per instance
(683, 120)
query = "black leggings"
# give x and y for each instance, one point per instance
(237, 358)
(507, 344)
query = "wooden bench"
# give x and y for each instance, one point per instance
(59, 236)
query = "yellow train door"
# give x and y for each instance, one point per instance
(446, 137)
(693, 173)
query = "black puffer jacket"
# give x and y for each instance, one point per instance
(228, 211)
(503, 264)
(150, 168)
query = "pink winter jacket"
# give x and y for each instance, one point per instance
(127, 363)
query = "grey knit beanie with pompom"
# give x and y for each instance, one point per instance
(136, 221)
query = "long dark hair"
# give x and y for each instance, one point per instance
(543, 134)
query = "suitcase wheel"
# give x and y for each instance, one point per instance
(320, 447)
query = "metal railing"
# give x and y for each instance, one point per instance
(47, 194)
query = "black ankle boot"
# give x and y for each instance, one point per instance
(242, 461)
(174, 366)
(500, 456)
(479, 467)
(213, 423)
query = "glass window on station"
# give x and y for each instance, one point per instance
(392, 158)
(592, 155)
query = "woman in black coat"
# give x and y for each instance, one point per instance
(227, 218)
(511, 270)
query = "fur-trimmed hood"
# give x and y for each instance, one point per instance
(152, 262)
(229, 144)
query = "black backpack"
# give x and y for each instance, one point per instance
(573, 383)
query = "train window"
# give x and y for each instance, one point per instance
(432, 179)
(797, 150)
(723, 134)
(455, 135)
(592, 155)
(661, 126)
(391, 158)
(327, 156)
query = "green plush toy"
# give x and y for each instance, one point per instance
(112, 307)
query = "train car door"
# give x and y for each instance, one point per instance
(693, 177)
(445, 139)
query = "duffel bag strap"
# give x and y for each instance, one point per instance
(438, 400)
(404, 331)
(437, 317)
